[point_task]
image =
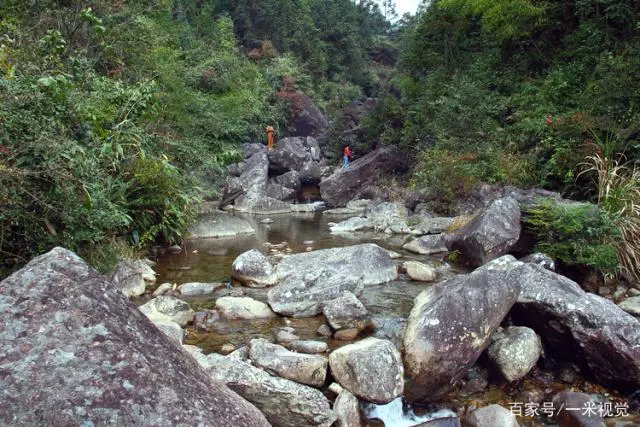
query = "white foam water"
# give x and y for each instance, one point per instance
(393, 414)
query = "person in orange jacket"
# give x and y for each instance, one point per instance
(270, 135)
(346, 157)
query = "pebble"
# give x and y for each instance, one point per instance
(336, 388)
(266, 221)
(308, 242)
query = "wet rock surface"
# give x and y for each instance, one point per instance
(219, 224)
(243, 308)
(75, 352)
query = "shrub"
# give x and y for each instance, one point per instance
(576, 234)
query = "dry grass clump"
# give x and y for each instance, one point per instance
(619, 194)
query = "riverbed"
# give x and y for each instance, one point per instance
(389, 304)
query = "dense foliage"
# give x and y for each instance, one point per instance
(117, 117)
(513, 91)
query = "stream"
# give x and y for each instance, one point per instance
(389, 304)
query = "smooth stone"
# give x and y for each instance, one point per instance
(324, 330)
(347, 334)
(308, 347)
(243, 308)
(420, 272)
(631, 305)
(347, 408)
(195, 289)
(515, 352)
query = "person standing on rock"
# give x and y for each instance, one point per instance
(346, 157)
(270, 135)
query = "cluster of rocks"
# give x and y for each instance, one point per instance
(268, 182)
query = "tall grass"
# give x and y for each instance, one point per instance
(618, 187)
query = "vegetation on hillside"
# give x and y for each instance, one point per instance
(113, 113)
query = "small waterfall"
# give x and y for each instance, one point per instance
(393, 414)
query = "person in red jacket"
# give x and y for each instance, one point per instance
(346, 157)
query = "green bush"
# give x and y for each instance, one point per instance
(576, 234)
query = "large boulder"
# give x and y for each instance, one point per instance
(75, 351)
(284, 402)
(491, 234)
(450, 325)
(219, 224)
(253, 269)
(515, 352)
(371, 369)
(585, 327)
(168, 308)
(297, 154)
(346, 184)
(308, 279)
(305, 119)
(303, 368)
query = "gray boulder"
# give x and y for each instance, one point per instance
(591, 330)
(299, 154)
(451, 323)
(352, 224)
(346, 312)
(308, 279)
(346, 184)
(75, 351)
(132, 277)
(302, 368)
(515, 352)
(491, 234)
(243, 308)
(540, 259)
(285, 403)
(289, 179)
(427, 245)
(253, 269)
(219, 224)
(305, 118)
(490, 416)
(432, 225)
(280, 192)
(371, 369)
(166, 307)
(347, 408)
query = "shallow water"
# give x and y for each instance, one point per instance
(389, 304)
